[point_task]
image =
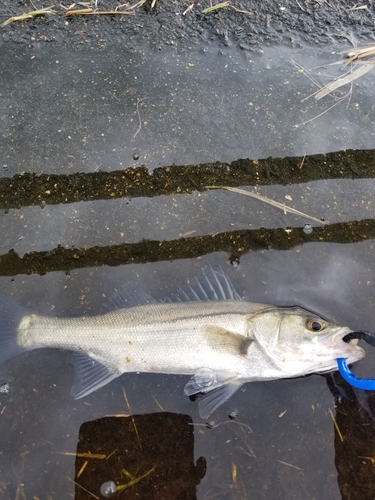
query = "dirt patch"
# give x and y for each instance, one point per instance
(247, 24)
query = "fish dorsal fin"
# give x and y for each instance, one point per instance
(210, 284)
(220, 386)
(128, 295)
(90, 375)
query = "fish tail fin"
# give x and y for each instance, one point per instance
(11, 315)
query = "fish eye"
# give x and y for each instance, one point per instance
(314, 325)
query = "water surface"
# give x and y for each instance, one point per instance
(80, 115)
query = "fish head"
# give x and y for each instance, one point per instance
(299, 342)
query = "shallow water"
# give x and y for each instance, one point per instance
(77, 112)
(283, 443)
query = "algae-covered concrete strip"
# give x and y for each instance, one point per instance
(36, 189)
(234, 243)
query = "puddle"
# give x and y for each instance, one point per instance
(200, 107)
(80, 112)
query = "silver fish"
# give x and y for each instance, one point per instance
(205, 330)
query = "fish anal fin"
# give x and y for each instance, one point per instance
(90, 375)
(229, 342)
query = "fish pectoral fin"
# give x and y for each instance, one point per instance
(219, 385)
(224, 340)
(90, 375)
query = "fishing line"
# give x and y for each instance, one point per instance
(360, 383)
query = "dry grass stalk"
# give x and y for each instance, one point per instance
(360, 53)
(88, 12)
(339, 82)
(276, 204)
(241, 11)
(29, 15)
(133, 480)
(354, 56)
(221, 5)
(138, 4)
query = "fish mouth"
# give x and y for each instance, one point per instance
(345, 343)
(353, 337)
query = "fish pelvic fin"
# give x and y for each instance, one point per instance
(220, 386)
(210, 402)
(90, 375)
(11, 315)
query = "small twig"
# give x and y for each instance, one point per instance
(80, 472)
(300, 165)
(84, 489)
(325, 111)
(241, 11)
(67, 8)
(335, 424)
(132, 417)
(138, 4)
(357, 7)
(306, 72)
(299, 5)
(157, 402)
(139, 116)
(209, 426)
(122, 5)
(189, 9)
(289, 465)
(133, 481)
(95, 456)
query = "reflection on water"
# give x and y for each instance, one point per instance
(145, 456)
(283, 443)
(354, 440)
